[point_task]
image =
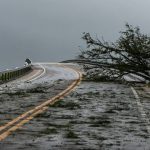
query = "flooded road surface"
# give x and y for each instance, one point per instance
(57, 77)
(95, 116)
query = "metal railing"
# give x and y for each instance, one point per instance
(14, 73)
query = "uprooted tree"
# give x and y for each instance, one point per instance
(130, 54)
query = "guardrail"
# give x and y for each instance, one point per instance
(14, 73)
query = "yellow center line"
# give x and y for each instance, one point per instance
(27, 116)
(14, 128)
(35, 109)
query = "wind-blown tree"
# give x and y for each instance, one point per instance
(129, 54)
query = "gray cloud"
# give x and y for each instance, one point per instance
(51, 30)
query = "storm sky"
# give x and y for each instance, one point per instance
(51, 30)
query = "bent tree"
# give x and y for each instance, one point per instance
(129, 54)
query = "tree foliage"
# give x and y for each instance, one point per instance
(129, 54)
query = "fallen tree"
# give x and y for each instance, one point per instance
(130, 54)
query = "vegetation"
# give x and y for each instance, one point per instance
(129, 54)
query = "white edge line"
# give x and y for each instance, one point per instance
(141, 109)
(44, 71)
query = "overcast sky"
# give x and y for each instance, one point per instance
(51, 30)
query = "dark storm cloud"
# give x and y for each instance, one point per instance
(51, 30)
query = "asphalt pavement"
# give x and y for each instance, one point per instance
(95, 116)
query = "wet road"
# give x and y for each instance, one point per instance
(64, 79)
(95, 116)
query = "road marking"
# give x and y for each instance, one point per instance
(141, 110)
(44, 71)
(21, 123)
(31, 111)
(27, 116)
(31, 77)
